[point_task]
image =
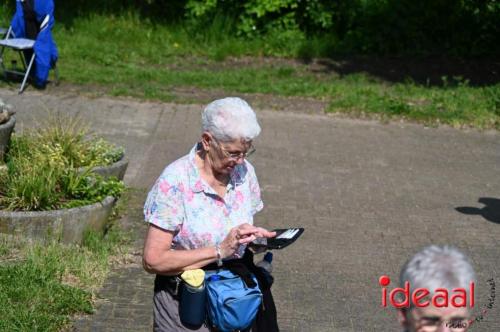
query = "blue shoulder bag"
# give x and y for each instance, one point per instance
(231, 304)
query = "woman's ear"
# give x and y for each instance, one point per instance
(206, 140)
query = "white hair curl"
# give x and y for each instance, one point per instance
(437, 267)
(229, 119)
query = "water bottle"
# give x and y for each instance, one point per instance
(192, 305)
(267, 268)
(193, 297)
(265, 263)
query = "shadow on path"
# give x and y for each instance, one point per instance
(429, 71)
(490, 211)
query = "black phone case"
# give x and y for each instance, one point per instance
(275, 243)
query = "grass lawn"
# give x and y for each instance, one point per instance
(43, 285)
(127, 56)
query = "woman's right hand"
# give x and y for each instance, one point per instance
(240, 235)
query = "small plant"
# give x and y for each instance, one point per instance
(42, 171)
(88, 188)
(79, 147)
(101, 152)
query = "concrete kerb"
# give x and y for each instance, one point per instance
(6, 130)
(116, 170)
(66, 225)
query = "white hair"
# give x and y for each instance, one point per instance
(229, 119)
(437, 267)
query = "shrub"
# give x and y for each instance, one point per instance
(70, 136)
(44, 169)
(467, 27)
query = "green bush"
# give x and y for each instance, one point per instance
(69, 139)
(466, 27)
(454, 27)
(50, 168)
(286, 20)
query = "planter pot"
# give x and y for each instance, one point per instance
(117, 169)
(67, 225)
(5, 133)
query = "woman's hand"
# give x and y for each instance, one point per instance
(242, 234)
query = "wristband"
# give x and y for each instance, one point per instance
(219, 256)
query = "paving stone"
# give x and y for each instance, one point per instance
(369, 195)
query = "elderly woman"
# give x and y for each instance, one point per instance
(200, 210)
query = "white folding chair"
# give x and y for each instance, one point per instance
(20, 45)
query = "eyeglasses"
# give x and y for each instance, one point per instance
(432, 324)
(235, 155)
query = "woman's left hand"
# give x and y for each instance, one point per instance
(248, 233)
(240, 235)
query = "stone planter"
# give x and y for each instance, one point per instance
(117, 169)
(5, 133)
(67, 225)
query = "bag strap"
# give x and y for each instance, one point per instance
(168, 283)
(247, 261)
(244, 273)
(238, 268)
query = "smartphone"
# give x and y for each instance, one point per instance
(284, 237)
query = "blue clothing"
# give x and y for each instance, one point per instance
(45, 47)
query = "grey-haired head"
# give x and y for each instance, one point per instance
(230, 119)
(435, 269)
(438, 267)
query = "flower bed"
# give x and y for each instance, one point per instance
(49, 187)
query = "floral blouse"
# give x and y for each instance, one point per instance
(182, 202)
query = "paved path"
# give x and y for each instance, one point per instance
(368, 194)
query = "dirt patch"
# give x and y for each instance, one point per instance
(193, 95)
(257, 100)
(430, 70)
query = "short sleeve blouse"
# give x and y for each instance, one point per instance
(182, 202)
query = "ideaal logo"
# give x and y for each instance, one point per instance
(419, 297)
(441, 298)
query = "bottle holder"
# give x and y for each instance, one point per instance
(192, 306)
